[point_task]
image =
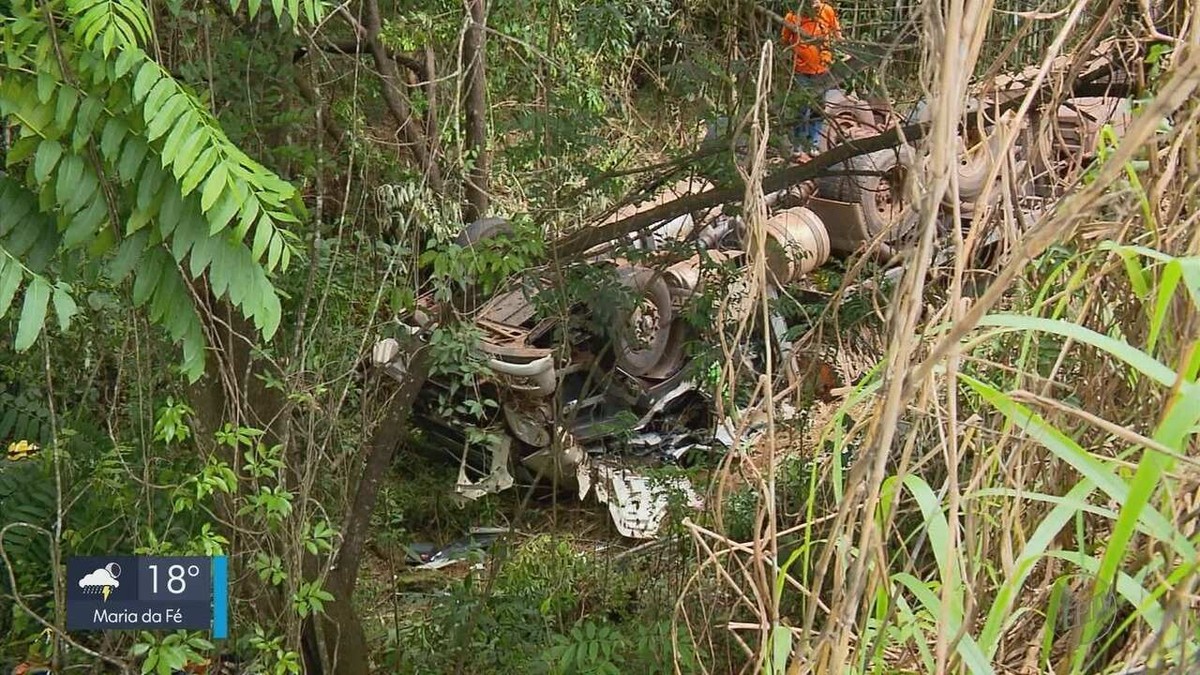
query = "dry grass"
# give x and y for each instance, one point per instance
(1024, 486)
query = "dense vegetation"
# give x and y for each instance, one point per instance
(209, 212)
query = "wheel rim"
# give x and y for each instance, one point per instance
(646, 323)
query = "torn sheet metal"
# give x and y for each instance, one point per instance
(727, 431)
(668, 446)
(688, 385)
(563, 463)
(497, 480)
(638, 503)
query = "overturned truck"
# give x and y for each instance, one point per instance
(583, 397)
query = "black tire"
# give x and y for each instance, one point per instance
(880, 193)
(485, 228)
(648, 287)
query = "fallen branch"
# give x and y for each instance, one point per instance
(585, 238)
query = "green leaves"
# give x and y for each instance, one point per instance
(193, 206)
(1142, 498)
(28, 227)
(311, 11)
(48, 154)
(951, 576)
(310, 598)
(33, 314)
(114, 24)
(213, 187)
(10, 281)
(64, 305)
(186, 195)
(171, 653)
(201, 157)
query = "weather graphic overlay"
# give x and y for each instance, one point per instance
(147, 593)
(102, 581)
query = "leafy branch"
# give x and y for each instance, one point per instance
(107, 137)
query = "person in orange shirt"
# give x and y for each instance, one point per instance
(808, 32)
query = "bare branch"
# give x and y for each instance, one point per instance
(347, 48)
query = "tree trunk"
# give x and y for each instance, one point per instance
(474, 52)
(411, 130)
(345, 641)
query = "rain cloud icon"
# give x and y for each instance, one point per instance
(102, 580)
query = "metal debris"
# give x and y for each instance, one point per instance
(497, 480)
(638, 503)
(478, 539)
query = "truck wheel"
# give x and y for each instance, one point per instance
(880, 193)
(484, 228)
(642, 340)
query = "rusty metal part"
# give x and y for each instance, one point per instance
(797, 243)
(676, 228)
(877, 183)
(884, 204)
(684, 278)
(843, 128)
(710, 237)
(1101, 110)
(673, 358)
(848, 118)
(1021, 180)
(1111, 55)
(512, 308)
(845, 108)
(975, 163)
(1080, 120)
(499, 336)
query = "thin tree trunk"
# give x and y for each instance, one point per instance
(474, 52)
(432, 124)
(411, 130)
(344, 636)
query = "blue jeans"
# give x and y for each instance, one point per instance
(807, 131)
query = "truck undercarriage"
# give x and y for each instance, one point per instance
(572, 402)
